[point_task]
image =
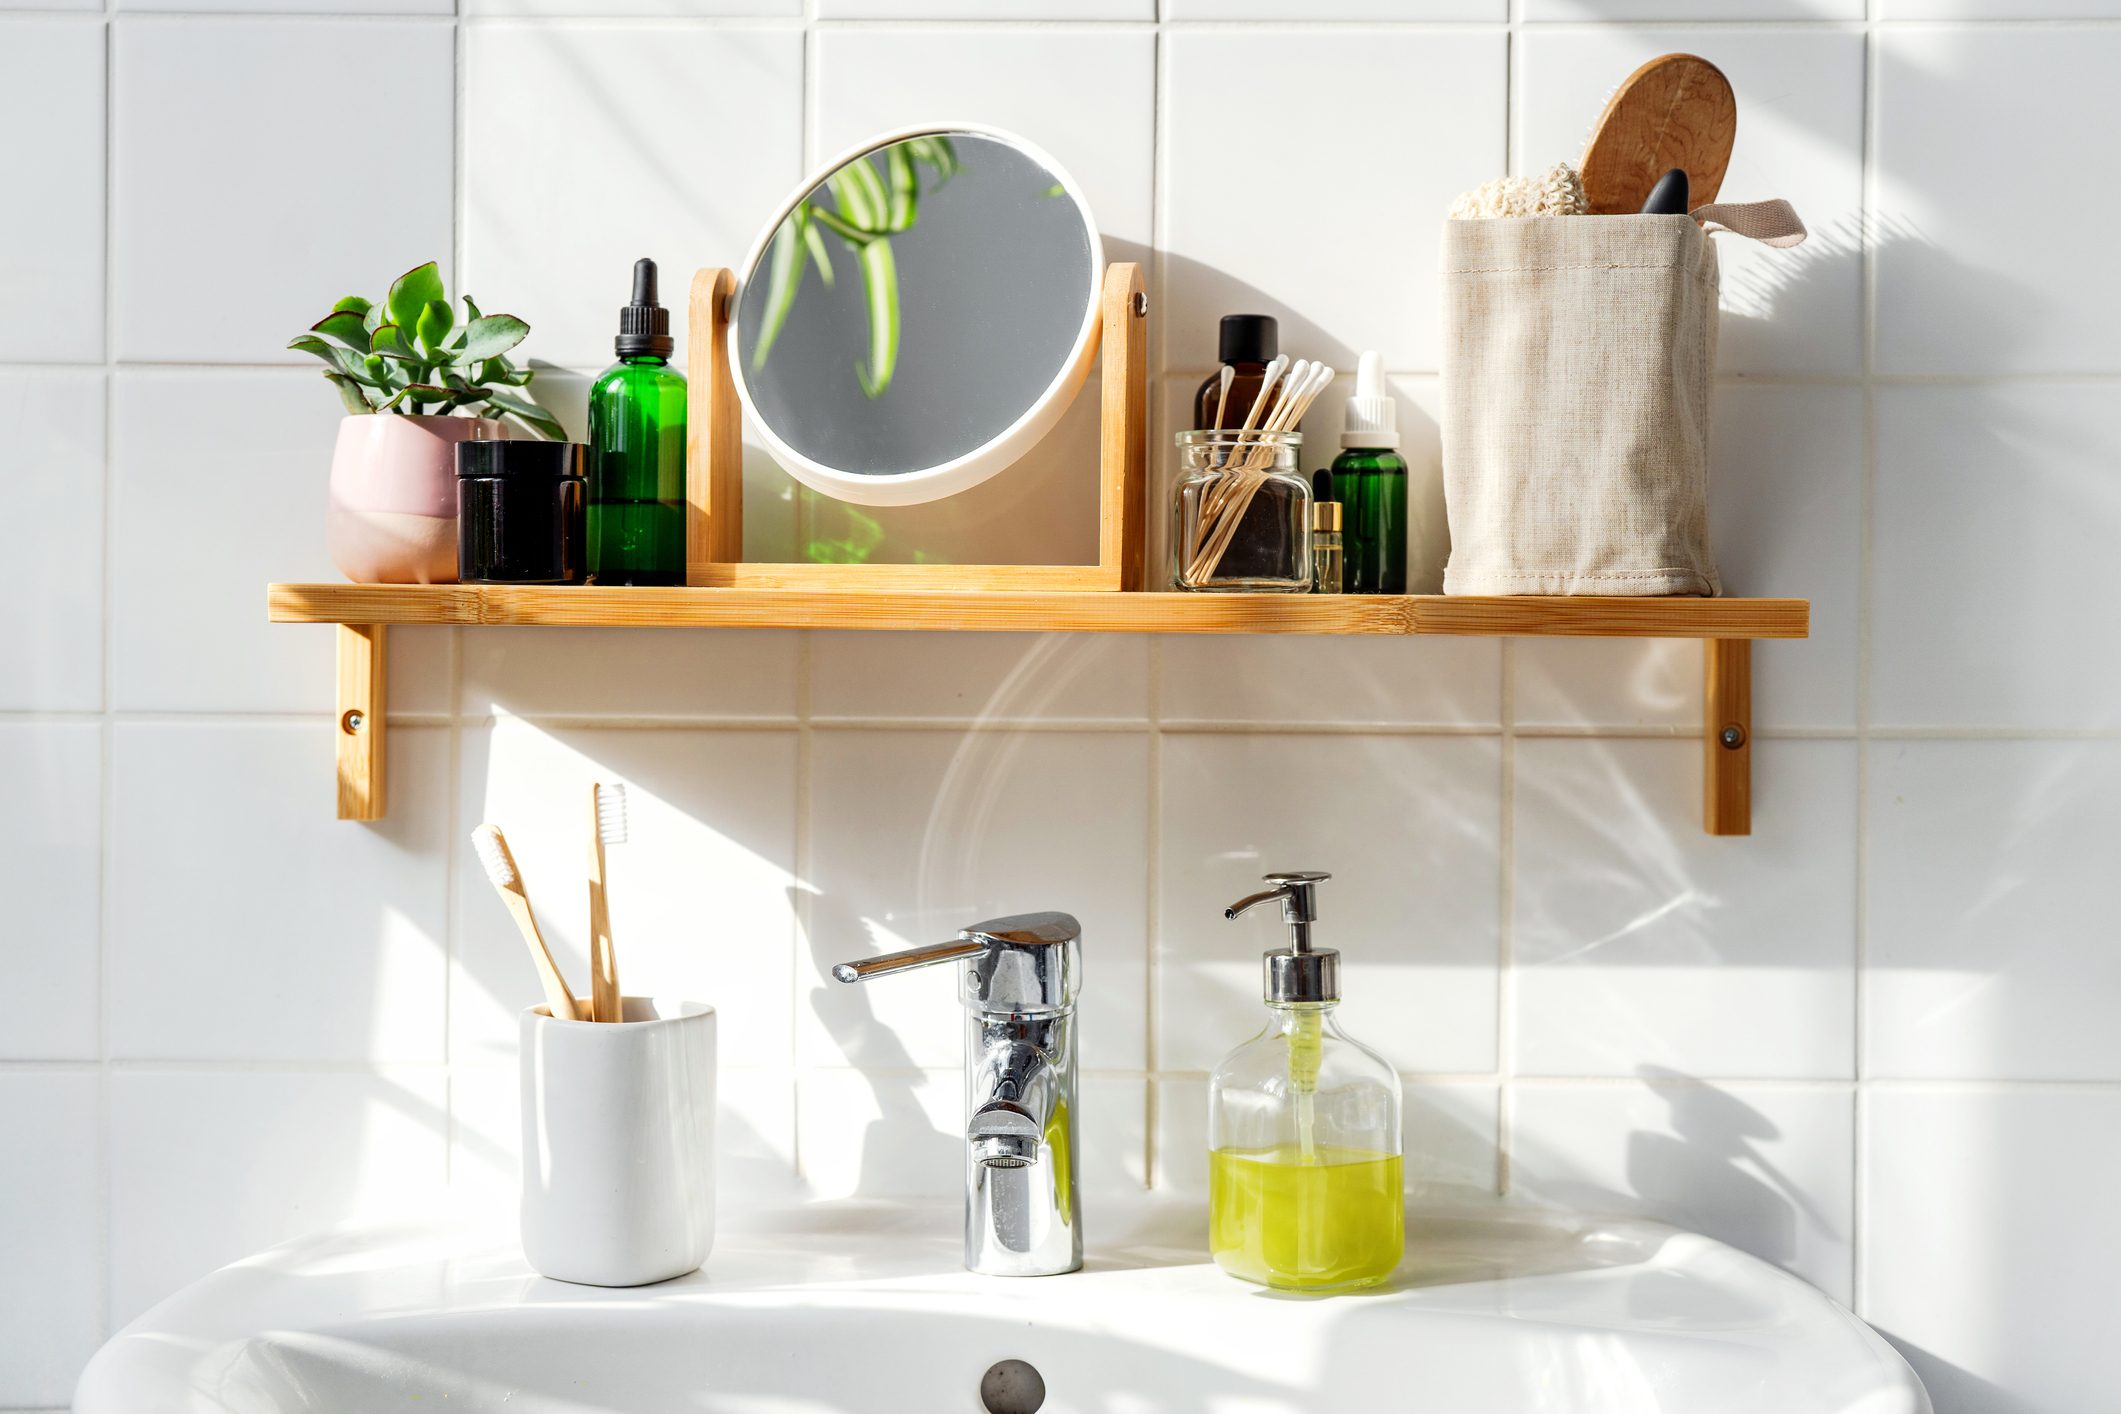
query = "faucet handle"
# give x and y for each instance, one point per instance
(927, 955)
(1024, 963)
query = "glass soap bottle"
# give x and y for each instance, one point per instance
(1241, 517)
(637, 450)
(1303, 1128)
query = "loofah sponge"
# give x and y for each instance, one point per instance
(1558, 191)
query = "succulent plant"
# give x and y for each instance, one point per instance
(411, 354)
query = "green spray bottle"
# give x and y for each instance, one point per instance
(637, 450)
(1370, 478)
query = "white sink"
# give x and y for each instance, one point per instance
(863, 1309)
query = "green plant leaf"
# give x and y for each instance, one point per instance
(862, 197)
(343, 361)
(784, 280)
(436, 321)
(938, 152)
(350, 393)
(345, 326)
(880, 290)
(471, 310)
(412, 291)
(814, 238)
(352, 304)
(491, 336)
(418, 394)
(839, 226)
(389, 340)
(902, 205)
(373, 319)
(527, 412)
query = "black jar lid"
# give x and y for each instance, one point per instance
(525, 458)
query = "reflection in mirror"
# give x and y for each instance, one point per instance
(924, 311)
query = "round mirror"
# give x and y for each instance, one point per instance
(918, 314)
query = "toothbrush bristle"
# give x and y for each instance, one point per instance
(493, 854)
(611, 814)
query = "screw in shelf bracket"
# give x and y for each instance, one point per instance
(1141, 304)
(1732, 737)
(353, 721)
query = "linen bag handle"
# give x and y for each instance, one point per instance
(1772, 223)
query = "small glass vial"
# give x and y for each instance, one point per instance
(1241, 518)
(1327, 557)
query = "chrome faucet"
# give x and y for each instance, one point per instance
(1023, 1208)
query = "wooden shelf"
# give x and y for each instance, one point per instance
(1726, 627)
(1038, 612)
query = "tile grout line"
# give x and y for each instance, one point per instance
(452, 854)
(1506, 716)
(804, 916)
(1153, 650)
(1859, 987)
(106, 732)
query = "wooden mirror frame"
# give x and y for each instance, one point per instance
(714, 465)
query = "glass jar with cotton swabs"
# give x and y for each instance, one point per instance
(1241, 518)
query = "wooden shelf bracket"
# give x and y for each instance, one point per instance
(1727, 736)
(358, 727)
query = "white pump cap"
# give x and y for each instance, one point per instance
(1373, 418)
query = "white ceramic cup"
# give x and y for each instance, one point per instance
(618, 1143)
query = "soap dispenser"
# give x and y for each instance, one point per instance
(1303, 1128)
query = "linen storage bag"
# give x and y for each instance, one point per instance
(1578, 357)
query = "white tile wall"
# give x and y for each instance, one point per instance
(51, 1285)
(692, 133)
(1641, 940)
(209, 1165)
(1996, 509)
(54, 421)
(51, 774)
(51, 250)
(2014, 1311)
(1408, 824)
(1992, 908)
(1963, 285)
(1274, 217)
(1870, 1042)
(1764, 1167)
(229, 235)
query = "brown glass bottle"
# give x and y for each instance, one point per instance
(1247, 343)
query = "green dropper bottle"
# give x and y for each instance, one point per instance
(1370, 478)
(637, 450)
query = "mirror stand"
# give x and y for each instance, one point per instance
(714, 465)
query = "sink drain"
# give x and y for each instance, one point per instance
(1012, 1387)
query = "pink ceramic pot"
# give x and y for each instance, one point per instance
(393, 517)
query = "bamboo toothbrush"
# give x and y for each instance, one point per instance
(492, 846)
(607, 825)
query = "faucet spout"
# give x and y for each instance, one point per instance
(1023, 1209)
(1013, 1092)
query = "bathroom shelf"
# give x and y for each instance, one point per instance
(363, 612)
(1037, 611)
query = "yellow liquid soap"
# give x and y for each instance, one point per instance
(1329, 1223)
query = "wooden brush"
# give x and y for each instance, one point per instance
(492, 847)
(607, 825)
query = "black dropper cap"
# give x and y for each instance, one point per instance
(644, 325)
(1249, 338)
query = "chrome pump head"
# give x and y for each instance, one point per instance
(1299, 972)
